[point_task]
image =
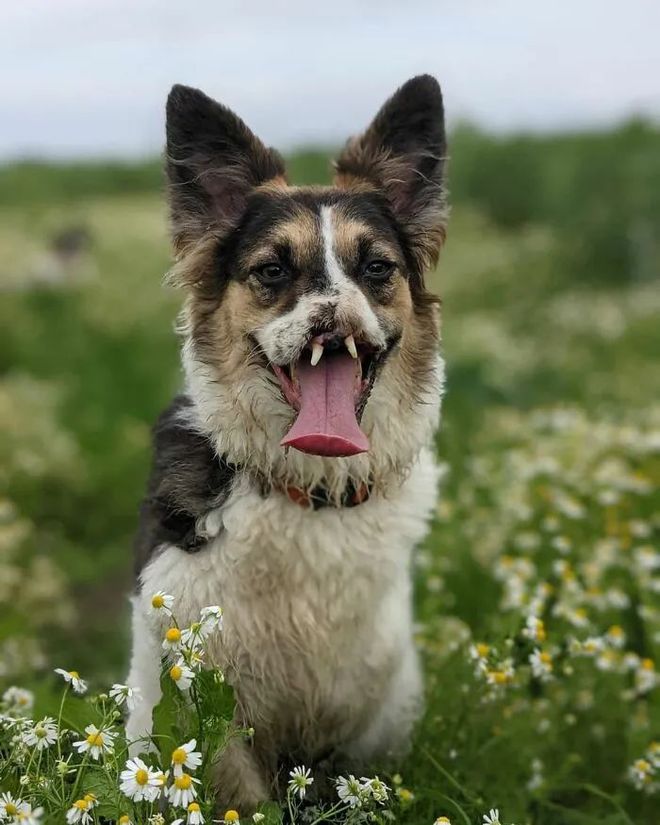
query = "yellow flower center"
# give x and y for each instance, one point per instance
(40, 732)
(11, 809)
(173, 634)
(124, 819)
(647, 664)
(500, 677)
(157, 601)
(95, 740)
(230, 816)
(176, 673)
(546, 658)
(81, 804)
(193, 807)
(74, 674)
(616, 631)
(482, 649)
(141, 776)
(183, 782)
(642, 765)
(89, 797)
(179, 756)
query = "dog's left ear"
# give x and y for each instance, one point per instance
(213, 162)
(402, 153)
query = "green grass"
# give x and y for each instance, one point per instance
(86, 365)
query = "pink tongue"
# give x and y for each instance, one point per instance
(326, 423)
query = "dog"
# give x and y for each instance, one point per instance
(295, 473)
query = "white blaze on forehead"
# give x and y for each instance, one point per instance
(344, 287)
(336, 275)
(283, 338)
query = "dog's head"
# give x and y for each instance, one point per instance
(307, 323)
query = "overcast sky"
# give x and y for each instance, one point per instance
(89, 77)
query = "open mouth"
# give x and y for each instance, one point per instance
(329, 386)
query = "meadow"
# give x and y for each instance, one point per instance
(538, 588)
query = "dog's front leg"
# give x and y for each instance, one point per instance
(242, 781)
(145, 675)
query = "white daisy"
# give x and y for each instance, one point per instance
(81, 810)
(41, 735)
(212, 616)
(193, 637)
(139, 782)
(123, 693)
(162, 602)
(300, 780)
(9, 805)
(442, 820)
(182, 791)
(172, 640)
(182, 675)
(542, 665)
(186, 756)
(492, 817)
(27, 815)
(72, 677)
(350, 790)
(195, 815)
(231, 816)
(97, 742)
(18, 700)
(640, 773)
(377, 788)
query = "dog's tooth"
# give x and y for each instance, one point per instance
(317, 352)
(350, 346)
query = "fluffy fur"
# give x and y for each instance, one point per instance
(317, 639)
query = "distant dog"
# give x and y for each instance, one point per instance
(295, 474)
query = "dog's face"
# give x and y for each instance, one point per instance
(304, 303)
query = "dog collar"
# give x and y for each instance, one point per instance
(319, 497)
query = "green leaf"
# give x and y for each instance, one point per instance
(168, 719)
(99, 782)
(273, 813)
(216, 697)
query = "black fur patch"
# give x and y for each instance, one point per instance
(212, 162)
(187, 480)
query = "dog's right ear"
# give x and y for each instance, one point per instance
(213, 162)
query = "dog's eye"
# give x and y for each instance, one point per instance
(271, 274)
(378, 270)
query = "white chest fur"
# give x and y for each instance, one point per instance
(316, 603)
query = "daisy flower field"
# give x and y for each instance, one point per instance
(536, 591)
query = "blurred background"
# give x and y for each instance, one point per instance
(549, 278)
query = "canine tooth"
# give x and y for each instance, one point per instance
(317, 352)
(350, 346)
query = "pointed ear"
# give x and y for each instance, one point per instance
(402, 153)
(213, 162)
